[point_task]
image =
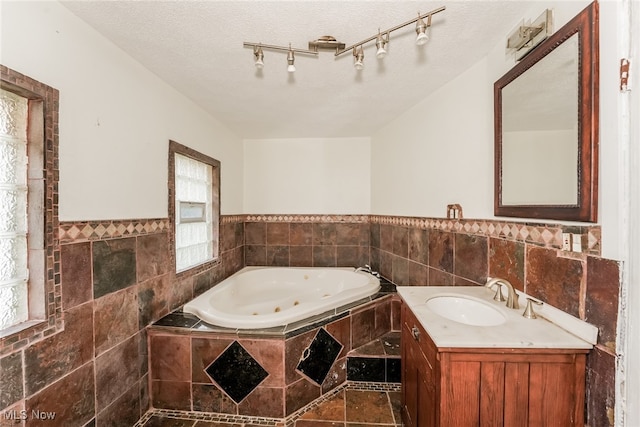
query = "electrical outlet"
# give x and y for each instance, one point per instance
(576, 242)
(566, 242)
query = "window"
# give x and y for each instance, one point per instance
(194, 205)
(30, 292)
(14, 273)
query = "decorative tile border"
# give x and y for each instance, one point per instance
(543, 234)
(100, 230)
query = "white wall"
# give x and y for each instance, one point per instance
(116, 117)
(441, 150)
(307, 176)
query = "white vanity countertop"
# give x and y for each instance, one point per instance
(516, 332)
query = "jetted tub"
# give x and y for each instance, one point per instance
(264, 297)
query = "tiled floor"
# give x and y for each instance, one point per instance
(352, 406)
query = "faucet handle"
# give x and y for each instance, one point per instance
(499, 296)
(528, 312)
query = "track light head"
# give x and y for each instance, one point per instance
(290, 61)
(422, 31)
(258, 57)
(381, 45)
(358, 58)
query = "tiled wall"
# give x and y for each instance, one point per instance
(432, 251)
(116, 279)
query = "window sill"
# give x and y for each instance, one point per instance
(20, 327)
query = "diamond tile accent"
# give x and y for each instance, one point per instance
(236, 372)
(317, 359)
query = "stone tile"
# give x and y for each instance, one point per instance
(418, 274)
(59, 354)
(441, 251)
(124, 411)
(400, 236)
(400, 270)
(264, 402)
(71, 399)
(319, 356)
(370, 407)
(374, 235)
(117, 370)
(386, 264)
(601, 304)
(341, 331)
(114, 265)
(270, 355)
(386, 237)
(170, 357)
(153, 300)
(301, 234)
(171, 395)
(295, 346)
(600, 399)
(470, 257)
(181, 292)
(362, 327)
(299, 394)
(439, 278)
(419, 245)
(351, 256)
(301, 256)
(116, 318)
(337, 375)
(333, 409)
(278, 256)
(354, 234)
(255, 233)
(203, 352)
(153, 255)
(12, 416)
(11, 380)
(553, 279)
(207, 398)
(324, 256)
(237, 383)
(506, 260)
(278, 233)
(255, 254)
(382, 318)
(75, 268)
(231, 236)
(324, 234)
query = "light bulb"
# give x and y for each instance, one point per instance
(259, 57)
(291, 68)
(290, 60)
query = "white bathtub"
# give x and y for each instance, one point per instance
(264, 297)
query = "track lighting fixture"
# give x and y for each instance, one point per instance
(381, 45)
(358, 58)
(259, 56)
(330, 43)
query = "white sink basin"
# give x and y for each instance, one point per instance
(466, 310)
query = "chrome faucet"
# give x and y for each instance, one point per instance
(367, 269)
(512, 296)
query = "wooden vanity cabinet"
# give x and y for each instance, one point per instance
(487, 386)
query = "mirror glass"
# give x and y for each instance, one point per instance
(546, 121)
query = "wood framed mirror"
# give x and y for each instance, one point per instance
(546, 127)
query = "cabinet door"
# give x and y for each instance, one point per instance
(426, 394)
(409, 379)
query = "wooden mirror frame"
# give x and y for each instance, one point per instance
(586, 25)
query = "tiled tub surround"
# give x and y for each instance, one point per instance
(271, 373)
(411, 251)
(115, 280)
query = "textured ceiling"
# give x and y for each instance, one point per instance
(196, 47)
